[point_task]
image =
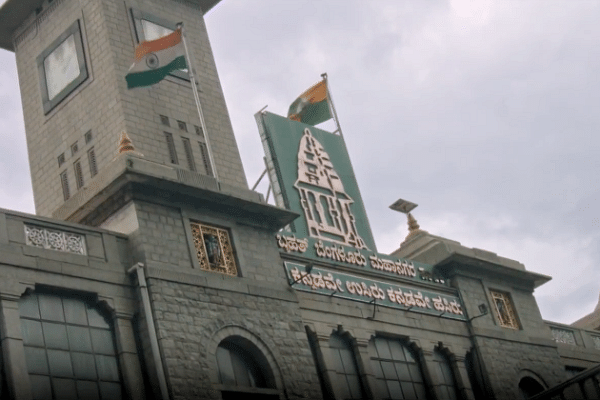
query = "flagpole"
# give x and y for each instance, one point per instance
(335, 117)
(197, 99)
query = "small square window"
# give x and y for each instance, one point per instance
(198, 130)
(165, 120)
(504, 310)
(74, 148)
(149, 27)
(182, 125)
(62, 67)
(214, 249)
(61, 159)
(88, 137)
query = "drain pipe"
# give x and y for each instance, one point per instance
(141, 278)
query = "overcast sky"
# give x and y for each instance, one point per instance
(482, 112)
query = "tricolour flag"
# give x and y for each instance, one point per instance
(312, 107)
(155, 59)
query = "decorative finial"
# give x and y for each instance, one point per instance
(413, 227)
(126, 145)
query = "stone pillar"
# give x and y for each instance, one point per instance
(13, 354)
(363, 362)
(128, 357)
(430, 378)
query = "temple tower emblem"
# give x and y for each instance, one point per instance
(326, 205)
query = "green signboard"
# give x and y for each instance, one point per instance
(352, 287)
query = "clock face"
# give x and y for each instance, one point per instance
(61, 67)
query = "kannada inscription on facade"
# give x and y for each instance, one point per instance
(357, 288)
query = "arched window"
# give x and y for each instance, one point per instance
(443, 376)
(243, 367)
(346, 382)
(396, 369)
(529, 387)
(69, 349)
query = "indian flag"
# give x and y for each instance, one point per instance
(312, 107)
(155, 59)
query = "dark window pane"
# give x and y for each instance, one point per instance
(75, 312)
(381, 389)
(102, 341)
(402, 370)
(226, 374)
(337, 360)
(408, 390)
(60, 363)
(389, 371)
(348, 361)
(383, 349)
(394, 389)
(88, 390)
(336, 342)
(96, 319)
(36, 360)
(51, 308)
(40, 387)
(376, 365)
(79, 338)
(354, 387)
(28, 307)
(240, 370)
(55, 336)
(340, 387)
(64, 389)
(32, 333)
(84, 366)
(397, 350)
(110, 391)
(409, 355)
(107, 368)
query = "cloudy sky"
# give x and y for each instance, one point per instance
(482, 112)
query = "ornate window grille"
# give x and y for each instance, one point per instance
(563, 336)
(55, 240)
(504, 309)
(596, 340)
(214, 249)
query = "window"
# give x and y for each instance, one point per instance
(78, 174)
(182, 125)
(64, 181)
(198, 130)
(187, 147)
(396, 369)
(62, 67)
(214, 249)
(61, 159)
(205, 158)
(504, 310)
(346, 381)
(74, 148)
(69, 349)
(529, 387)
(171, 148)
(443, 376)
(149, 27)
(92, 162)
(165, 120)
(88, 137)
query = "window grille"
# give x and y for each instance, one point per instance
(64, 181)
(205, 158)
(446, 384)
(171, 147)
(78, 174)
(214, 249)
(189, 155)
(504, 309)
(346, 383)
(92, 162)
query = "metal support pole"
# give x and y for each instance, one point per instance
(197, 99)
(335, 117)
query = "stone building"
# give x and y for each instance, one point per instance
(147, 273)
